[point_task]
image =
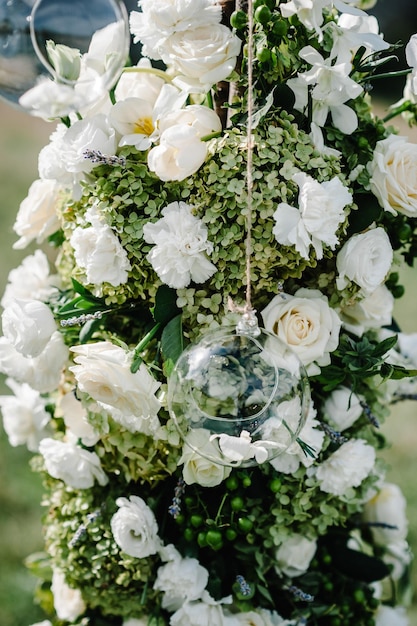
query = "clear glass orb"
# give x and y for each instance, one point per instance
(239, 398)
(61, 56)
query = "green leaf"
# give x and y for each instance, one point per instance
(165, 305)
(384, 346)
(172, 343)
(82, 291)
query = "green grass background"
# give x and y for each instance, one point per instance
(21, 138)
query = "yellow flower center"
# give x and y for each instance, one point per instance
(144, 126)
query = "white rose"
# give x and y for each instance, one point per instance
(24, 415)
(203, 56)
(98, 251)
(388, 506)
(160, 19)
(30, 280)
(345, 468)
(42, 373)
(102, 371)
(373, 311)
(76, 467)
(181, 580)
(393, 179)
(37, 217)
(343, 408)
(63, 159)
(294, 556)
(29, 326)
(391, 616)
(68, 602)
(134, 528)
(365, 259)
(306, 323)
(181, 250)
(197, 468)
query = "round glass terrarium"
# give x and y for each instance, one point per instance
(61, 56)
(239, 396)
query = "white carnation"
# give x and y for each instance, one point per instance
(29, 326)
(75, 466)
(294, 555)
(343, 408)
(181, 580)
(346, 468)
(31, 280)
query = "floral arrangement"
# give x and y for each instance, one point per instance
(144, 202)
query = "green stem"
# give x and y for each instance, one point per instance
(386, 75)
(136, 361)
(406, 106)
(219, 512)
(210, 102)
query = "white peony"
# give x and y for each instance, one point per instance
(319, 214)
(197, 468)
(37, 217)
(365, 259)
(306, 323)
(68, 602)
(98, 251)
(202, 56)
(43, 372)
(393, 179)
(345, 468)
(24, 415)
(102, 371)
(181, 580)
(134, 528)
(29, 326)
(387, 507)
(159, 19)
(294, 555)
(342, 407)
(373, 311)
(391, 616)
(181, 247)
(76, 467)
(30, 280)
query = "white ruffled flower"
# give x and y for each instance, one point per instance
(317, 218)
(294, 555)
(75, 419)
(393, 179)
(343, 408)
(306, 323)
(160, 19)
(388, 506)
(24, 415)
(181, 152)
(68, 602)
(346, 468)
(181, 247)
(205, 611)
(365, 259)
(76, 467)
(98, 251)
(181, 580)
(63, 159)
(29, 326)
(42, 373)
(391, 616)
(31, 280)
(197, 468)
(202, 56)
(134, 528)
(289, 461)
(373, 311)
(37, 217)
(102, 371)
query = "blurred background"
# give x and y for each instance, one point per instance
(21, 138)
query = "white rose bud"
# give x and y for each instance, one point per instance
(365, 259)
(294, 556)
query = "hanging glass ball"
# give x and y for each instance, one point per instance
(61, 56)
(239, 397)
